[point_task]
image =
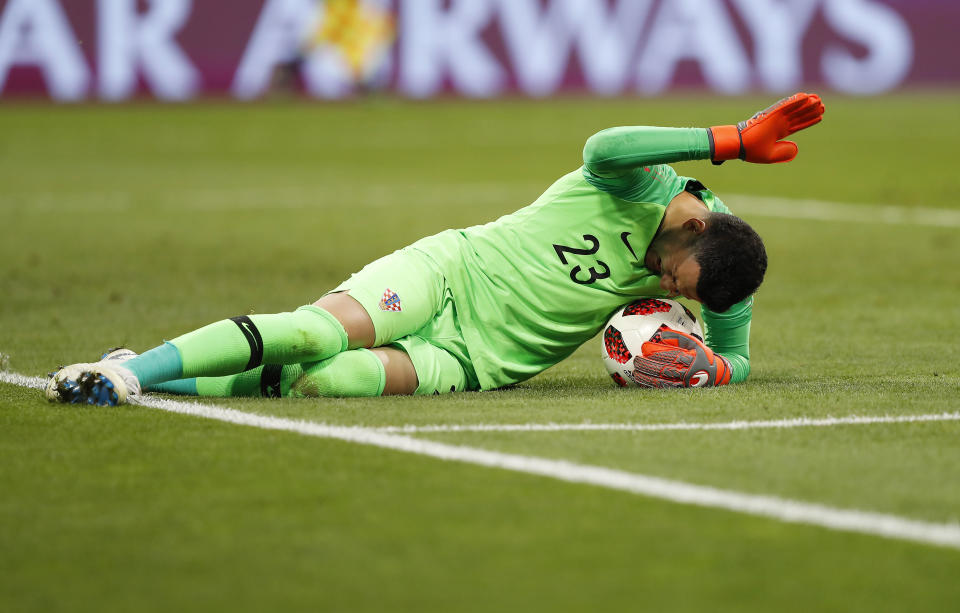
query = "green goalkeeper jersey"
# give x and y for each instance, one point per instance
(534, 285)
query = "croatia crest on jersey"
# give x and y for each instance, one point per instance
(390, 301)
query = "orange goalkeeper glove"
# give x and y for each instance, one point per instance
(679, 360)
(758, 139)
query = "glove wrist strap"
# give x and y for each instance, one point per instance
(726, 143)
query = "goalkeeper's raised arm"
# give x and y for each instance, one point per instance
(617, 151)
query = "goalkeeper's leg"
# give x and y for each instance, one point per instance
(270, 381)
(365, 311)
(226, 347)
(412, 366)
(355, 373)
(387, 300)
(241, 344)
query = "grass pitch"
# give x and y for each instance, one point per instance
(130, 224)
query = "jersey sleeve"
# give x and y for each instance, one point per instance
(618, 151)
(728, 334)
(625, 161)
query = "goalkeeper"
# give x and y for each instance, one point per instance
(492, 305)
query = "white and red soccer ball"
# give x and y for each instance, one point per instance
(639, 322)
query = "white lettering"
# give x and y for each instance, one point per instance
(37, 33)
(885, 35)
(693, 29)
(435, 42)
(127, 40)
(777, 28)
(539, 43)
(276, 38)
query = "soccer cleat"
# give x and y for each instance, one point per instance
(101, 383)
(118, 354)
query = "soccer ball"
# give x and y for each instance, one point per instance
(636, 323)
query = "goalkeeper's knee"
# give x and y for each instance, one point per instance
(245, 342)
(307, 334)
(353, 373)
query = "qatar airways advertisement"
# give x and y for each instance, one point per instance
(115, 50)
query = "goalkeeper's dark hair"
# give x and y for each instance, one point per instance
(732, 261)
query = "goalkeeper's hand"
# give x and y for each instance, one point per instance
(679, 360)
(758, 139)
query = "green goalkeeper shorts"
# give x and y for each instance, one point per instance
(412, 308)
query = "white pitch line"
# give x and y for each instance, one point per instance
(797, 422)
(379, 194)
(824, 210)
(792, 511)
(13, 378)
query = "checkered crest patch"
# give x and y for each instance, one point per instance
(390, 301)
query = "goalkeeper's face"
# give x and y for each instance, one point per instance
(671, 255)
(680, 274)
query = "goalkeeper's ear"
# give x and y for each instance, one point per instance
(695, 225)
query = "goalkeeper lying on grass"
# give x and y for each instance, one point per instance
(492, 305)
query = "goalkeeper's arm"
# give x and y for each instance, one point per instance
(678, 359)
(618, 151)
(728, 334)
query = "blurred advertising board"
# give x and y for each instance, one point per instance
(115, 50)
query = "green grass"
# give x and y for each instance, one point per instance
(130, 224)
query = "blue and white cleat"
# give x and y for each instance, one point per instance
(118, 354)
(104, 383)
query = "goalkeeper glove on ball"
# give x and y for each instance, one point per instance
(758, 139)
(679, 360)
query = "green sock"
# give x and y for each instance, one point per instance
(349, 374)
(242, 343)
(270, 381)
(181, 387)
